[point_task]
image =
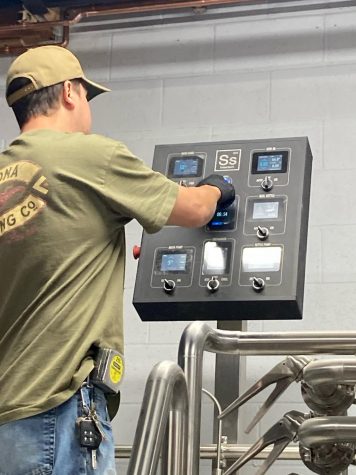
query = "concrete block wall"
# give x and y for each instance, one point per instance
(254, 77)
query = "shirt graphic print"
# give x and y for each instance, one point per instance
(23, 189)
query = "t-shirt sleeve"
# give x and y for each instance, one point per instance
(134, 190)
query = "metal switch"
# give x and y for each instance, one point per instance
(168, 285)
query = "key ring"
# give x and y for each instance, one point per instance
(86, 383)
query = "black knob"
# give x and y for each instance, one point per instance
(262, 233)
(168, 285)
(267, 184)
(258, 284)
(213, 284)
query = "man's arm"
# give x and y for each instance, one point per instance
(194, 206)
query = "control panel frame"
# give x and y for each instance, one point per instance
(272, 209)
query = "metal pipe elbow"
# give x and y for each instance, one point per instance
(330, 371)
(327, 430)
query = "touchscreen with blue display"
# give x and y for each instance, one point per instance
(173, 262)
(270, 162)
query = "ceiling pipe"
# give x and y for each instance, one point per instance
(12, 33)
(74, 16)
(13, 36)
(160, 6)
(15, 43)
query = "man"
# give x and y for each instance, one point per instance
(65, 197)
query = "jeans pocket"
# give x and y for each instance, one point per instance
(27, 445)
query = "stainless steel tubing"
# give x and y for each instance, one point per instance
(199, 337)
(165, 398)
(229, 452)
(327, 430)
(330, 372)
(190, 358)
(282, 343)
(217, 404)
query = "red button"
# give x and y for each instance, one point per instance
(136, 251)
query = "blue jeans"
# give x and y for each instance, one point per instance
(48, 443)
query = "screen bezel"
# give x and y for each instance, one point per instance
(257, 155)
(161, 252)
(174, 159)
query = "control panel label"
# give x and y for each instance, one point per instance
(227, 160)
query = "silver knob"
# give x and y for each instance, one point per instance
(168, 285)
(258, 284)
(213, 284)
(267, 184)
(262, 233)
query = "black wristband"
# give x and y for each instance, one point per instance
(227, 189)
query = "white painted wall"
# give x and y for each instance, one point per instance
(256, 77)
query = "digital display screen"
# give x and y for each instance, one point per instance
(185, 167)
(261, 259)
(269, 163)
(224, 217)
(265, 210)
(216, 259)
(173, 262)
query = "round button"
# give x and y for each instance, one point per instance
(258, 284)
(267, 184)
(136, 251)
(262, 233)
(213, 284)
(168, 285)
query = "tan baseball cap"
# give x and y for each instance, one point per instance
(45, 66)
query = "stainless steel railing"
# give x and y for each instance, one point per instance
(174, 397)
(165, 400)
(199, 337)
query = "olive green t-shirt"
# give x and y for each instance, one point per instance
(64, 201)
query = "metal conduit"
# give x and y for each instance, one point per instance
(165, 398)
(199, 337)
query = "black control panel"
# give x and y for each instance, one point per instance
(248, 262)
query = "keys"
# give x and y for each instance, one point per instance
(91, 433)
(93, 459)
(90, 436)
(96, 421)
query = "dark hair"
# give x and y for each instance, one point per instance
(37, 103)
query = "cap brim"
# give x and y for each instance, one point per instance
(94, 89)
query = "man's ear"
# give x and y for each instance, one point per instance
(67, 94)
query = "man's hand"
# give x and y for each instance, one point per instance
(227, 189)
(196, 205)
